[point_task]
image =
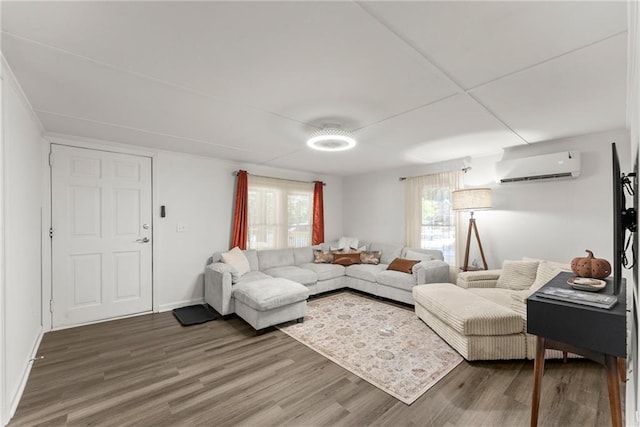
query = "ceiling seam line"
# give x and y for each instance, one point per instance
(529, 67)
(153, 79)
(441, 70)
(144, 131)
(427, 57)
(435, 101)
(488, 110)
(264, 162)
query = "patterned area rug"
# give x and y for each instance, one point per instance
(387, 346)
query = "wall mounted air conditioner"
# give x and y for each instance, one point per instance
(565, 164)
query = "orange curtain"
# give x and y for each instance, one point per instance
(240, 217)
(317, 235)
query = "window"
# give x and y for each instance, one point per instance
(280, 213)
(430, 222)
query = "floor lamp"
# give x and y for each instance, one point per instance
(472, 199)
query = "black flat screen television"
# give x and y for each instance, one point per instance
(624, 219)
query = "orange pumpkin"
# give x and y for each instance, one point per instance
(590, 266)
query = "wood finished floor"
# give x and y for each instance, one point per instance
(150, 371)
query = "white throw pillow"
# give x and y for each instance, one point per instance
(418, 255)
(547, 270)
(347, 242)
(236, 259)
(517, 275)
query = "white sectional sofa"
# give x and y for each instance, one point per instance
(297, 264)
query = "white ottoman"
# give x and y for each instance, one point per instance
(268, 302)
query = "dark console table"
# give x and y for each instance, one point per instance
(595, 333)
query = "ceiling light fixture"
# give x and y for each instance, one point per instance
(331, 139)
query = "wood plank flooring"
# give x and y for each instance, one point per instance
(151, 371)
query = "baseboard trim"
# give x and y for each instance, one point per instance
(15, 399)
(178, 304)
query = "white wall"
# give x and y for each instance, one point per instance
(22, 187)
(198, 192)
(552, 219)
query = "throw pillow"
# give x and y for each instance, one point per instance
(562, 266)
(237, 260)
(346, 259)
(547, 270)
(517, 275)
(348, 250)
(322, 257)
(372, 257)
(403, 265)
(418, 255)
(348, 242)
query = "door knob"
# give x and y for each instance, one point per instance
(143, 240)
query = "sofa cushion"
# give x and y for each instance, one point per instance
(411, 254)
(499, 296)
(295, 273)
(517, 275)
(252, 276)
(267, 294)
(388, 252)
(252, 256)
(275, 258)
(303, 255)
(365, 271)
(396, 279)
(418, 253)
(325, 271)
(465, 312)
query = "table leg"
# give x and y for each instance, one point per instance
(613, 383)
(622, 368)
(538, 370)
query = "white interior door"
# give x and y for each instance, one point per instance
(101, 246)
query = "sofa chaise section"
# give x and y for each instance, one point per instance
(483, 315)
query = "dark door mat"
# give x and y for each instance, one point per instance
(194, 314)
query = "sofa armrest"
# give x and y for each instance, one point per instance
(478, 279)
(217, 287)
(434, 271)
(519, 304)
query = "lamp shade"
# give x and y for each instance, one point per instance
(471, 199)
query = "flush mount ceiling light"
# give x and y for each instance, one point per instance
(331, 139)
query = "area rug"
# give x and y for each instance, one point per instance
(386, 345)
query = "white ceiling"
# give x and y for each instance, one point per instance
(417, 82)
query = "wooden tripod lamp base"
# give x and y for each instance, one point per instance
(474, 227)
(472, 199)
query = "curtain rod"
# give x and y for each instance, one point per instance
(464, 169)
(235, 173)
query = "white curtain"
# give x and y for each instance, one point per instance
(430, 222)
(280, 213)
